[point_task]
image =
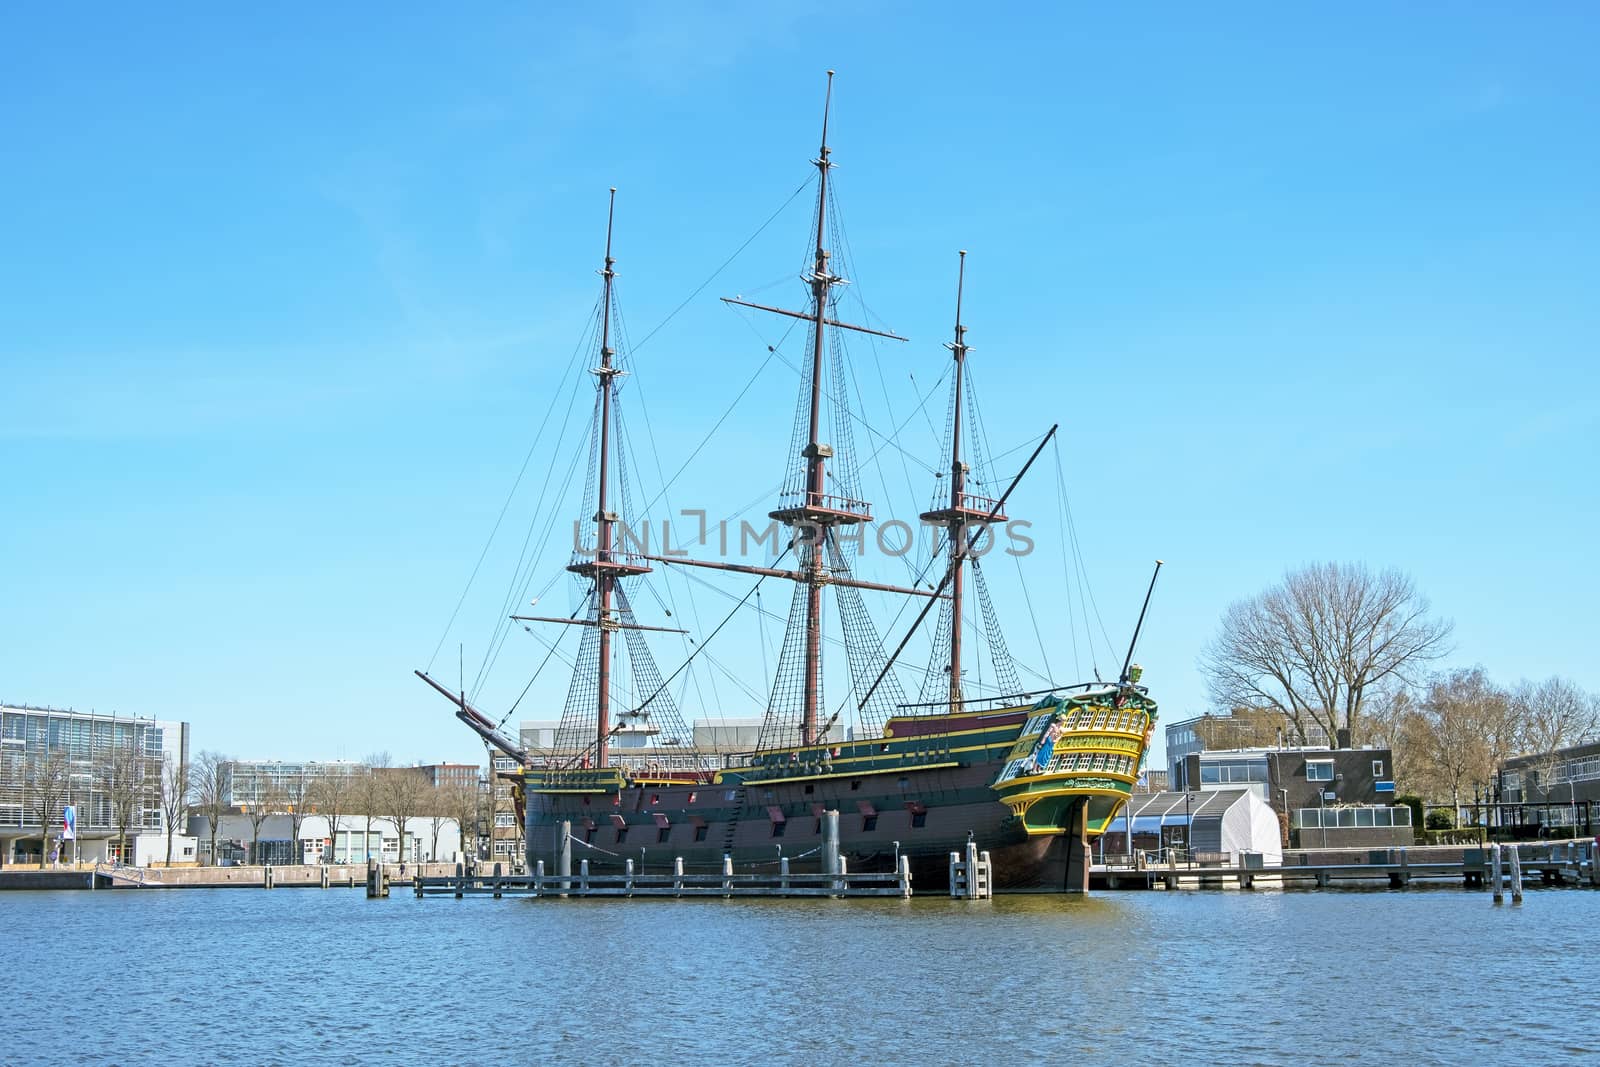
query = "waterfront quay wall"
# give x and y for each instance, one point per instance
(309, 876)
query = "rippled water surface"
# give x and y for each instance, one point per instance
(304, 976)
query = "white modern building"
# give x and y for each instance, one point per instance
(107, 768)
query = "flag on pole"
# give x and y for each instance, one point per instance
(69, 823)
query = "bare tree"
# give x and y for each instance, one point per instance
(177, 786)
(436, 806)
(402, 790)
(330, 795)
(1317, 644)
(269, 801)
(46, 780)
(1466, 718)
(127, 777)
(465, 804)
(211, 774)
(367, 793)
(294, 803)
(1552, 715)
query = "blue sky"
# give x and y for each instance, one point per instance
(287, 294)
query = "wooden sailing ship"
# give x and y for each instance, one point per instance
(1031, 776)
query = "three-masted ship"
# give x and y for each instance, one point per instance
(1031, 777)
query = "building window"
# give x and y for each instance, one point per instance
(919, 819)
(778, 828)
(1319, 770)
(1377, 768)
(622, 835)
(700, 832)
(869, 823)
(662, 835)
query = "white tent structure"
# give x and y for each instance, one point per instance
(1230, 821)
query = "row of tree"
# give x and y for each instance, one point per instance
(380, 790)
(1453, 734)
(1338, 651)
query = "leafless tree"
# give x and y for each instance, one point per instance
(367, 794)
(177, 787)
(270, 800)
(436, 806)
(46, 781)
(402, 790)
(1316, 645)
(1552, 715)
(1465, 718)
(330, 795)
(294, 788)
(211, 792)
(466, 804)
(127, 776)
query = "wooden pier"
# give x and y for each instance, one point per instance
(1566, 863)
(629, 884)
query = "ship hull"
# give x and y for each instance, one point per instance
(653, 825)
(1028, 785)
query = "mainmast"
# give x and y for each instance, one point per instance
(817, 513)
(604, 569)
(963, 508)
(811, 511)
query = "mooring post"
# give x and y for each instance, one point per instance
(905, 876)
(266, 876)
(842, 882)
(538, 878)
(583, 876)
(988, 874)
(564, 854)
(783, 874)
(677, 876)
(1516, 875)
(727, 875)
(955, 874)
(972, 869)
(1496, 882)
(830, 842)
(627, 869)
(497, 883)
(461, 881)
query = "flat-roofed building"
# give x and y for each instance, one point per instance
(106, 767)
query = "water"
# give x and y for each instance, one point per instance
(303, 976)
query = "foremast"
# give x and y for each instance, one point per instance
(605, 568)
(965, 517)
